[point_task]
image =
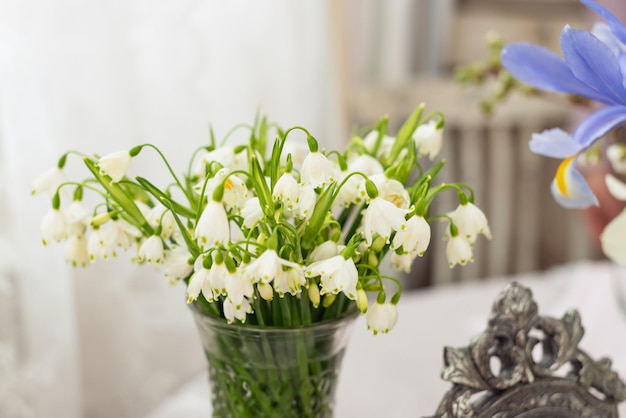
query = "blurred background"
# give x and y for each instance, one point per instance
(113, 339)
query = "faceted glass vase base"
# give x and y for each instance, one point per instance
(273, 372)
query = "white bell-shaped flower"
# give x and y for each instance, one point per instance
(286, 190)
(115, 165)
(266, 267)
(176, 263)
(151, 250)
(458, 251)
(306, 202)
(76, 251)
(289, 281)
(251, 212)
(76, 212)
(101, 244)
(616, 154)
(471, 221)
(234, 311)
(238, 287)
(381, 317)
(391, 190)
(49, 181)
(317, 170)
(125, 234)
(53, 226)
(213, 227)
(235, 190)
(385, 145)
(353, 191)
(197, 282)
(382, 217)
(325, 250)
(337, 274)
(428, 139)
(414, 237)
(402, 262)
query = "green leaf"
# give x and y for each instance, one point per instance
(191, 244)
(405, 133)
(120, 197)
(174, 206)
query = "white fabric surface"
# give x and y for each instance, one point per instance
(397, 375)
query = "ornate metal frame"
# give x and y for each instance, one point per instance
(528, 366)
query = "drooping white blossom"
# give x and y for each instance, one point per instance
(238, 287)
(317, 170)
(101, 244)
(428, 139)
(266, 267)
(458, 251)
(286, 190)
(402, 262)
(325, 250)
(125, 234)
(470, 221)
(213, 228)
(616, 154)
(239, 312)
(391, 190)
(385, 145)
(382, 217)
(115, 165)
(76, 251)
(337, 274)
(197, 282)
(53, 226)
(381, 317)
(414, 237)
(151, 250)
(306, 202)
(176, 264)
(251, 212)
(49, 181)
(289, 281)
(76, 212)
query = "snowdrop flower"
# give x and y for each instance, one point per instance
(238, 287)
(76, 212)
(353, 191)
(53, 226)
(152, 250)
(160, 215)
(199, 282)
(306, 202)
(213, 228)
(224, 155)
(286, 190)
(125, 234)
(414, 237)
(251, 212)
(402, 262)
(76, 251)
(337, 274)
(381, 317)
(115, 165)
(382, 217)
(266, 267)
(289, 281)
(49, 181)
(239, 312)
(612, 238)
(176, 263)
(235, 190)
(326, 249)
(298, 150)
(428, 139)
(458, 251)
(471, 221)
(317, 170)
(385, 145)
(101, 244)
(391, 190)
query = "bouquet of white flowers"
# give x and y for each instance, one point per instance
(273, 233)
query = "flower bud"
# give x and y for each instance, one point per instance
(328, 300)
(314, 295)
(266, 291)
(361, 300)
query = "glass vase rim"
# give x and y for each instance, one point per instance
(350, 314)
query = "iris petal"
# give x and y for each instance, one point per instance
(570, 189)
(543, 69)
(592, 62)
(599, 123)
(554, 143)
(614, 23)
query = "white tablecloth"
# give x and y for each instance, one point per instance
(398, 375)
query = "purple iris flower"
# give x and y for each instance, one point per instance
(593, 66)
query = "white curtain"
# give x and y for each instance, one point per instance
(101, 76)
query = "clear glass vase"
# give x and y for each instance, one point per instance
(273, 372)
